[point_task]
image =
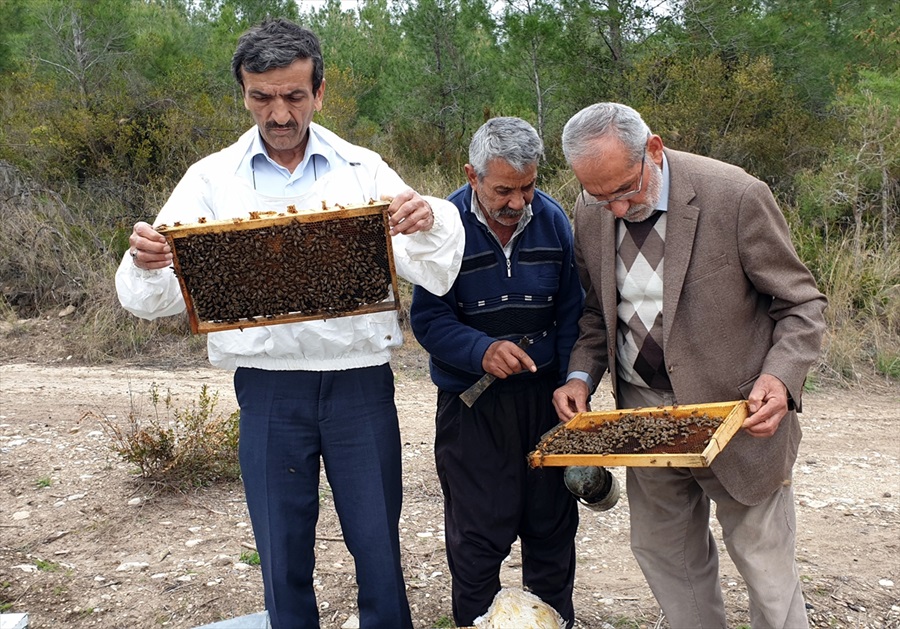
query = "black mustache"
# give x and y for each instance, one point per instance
(272, 125)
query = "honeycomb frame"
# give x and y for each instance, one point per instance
(732, 415)
(283, 267)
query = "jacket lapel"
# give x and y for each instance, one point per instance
(610, 292)
(681, 225)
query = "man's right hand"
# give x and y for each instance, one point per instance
(148, 248)
(571, 398)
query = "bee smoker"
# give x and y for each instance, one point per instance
(594, 486)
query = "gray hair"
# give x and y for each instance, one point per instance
(277, 43)
(601, 120)
(511, 139)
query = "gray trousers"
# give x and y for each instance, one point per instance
(673, 544)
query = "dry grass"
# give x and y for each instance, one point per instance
(60, 253)
(862, 342)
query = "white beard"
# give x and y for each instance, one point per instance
(638, 212)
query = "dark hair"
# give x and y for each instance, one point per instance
(277, 43)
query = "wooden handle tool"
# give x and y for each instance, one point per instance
(472, 393)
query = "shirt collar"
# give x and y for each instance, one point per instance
(475, 208)
(663, 204)
(314, 147)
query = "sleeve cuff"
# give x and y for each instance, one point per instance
(584, 377)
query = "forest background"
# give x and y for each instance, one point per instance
(105, 103)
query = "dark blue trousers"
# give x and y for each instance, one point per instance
(492, 496)
(289, 419)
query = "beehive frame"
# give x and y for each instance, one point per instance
(283, 267)
(731, 413)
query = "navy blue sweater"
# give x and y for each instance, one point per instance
(537, 295)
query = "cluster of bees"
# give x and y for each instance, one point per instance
(633, 433)
(329, 267)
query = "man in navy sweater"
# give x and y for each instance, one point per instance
(517, 280)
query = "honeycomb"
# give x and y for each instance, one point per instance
(633, 433)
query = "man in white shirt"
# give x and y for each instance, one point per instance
(311, 389)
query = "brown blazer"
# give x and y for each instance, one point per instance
(737, 302)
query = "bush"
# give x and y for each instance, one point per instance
(179, 448)
(862, 341)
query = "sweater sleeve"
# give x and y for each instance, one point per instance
(436, 325)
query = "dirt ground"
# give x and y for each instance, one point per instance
(83, 545)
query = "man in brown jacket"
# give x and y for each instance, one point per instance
(695, 294)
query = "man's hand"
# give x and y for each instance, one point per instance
(571, 398)
(409, 213)
(149, 249)
(768, 402)
(504, 358)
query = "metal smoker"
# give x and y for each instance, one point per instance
(595, 487)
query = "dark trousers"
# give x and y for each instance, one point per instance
(492, 496)
(288, 420)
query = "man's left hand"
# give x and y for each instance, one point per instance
(768, 402)
(409, 213)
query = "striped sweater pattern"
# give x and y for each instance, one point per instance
(534, 293)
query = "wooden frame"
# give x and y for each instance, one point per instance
(733, 415)
(277, 256)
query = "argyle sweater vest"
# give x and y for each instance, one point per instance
(640, 248)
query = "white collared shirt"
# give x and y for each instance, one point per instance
(220, 186)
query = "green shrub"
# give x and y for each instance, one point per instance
(185, 447)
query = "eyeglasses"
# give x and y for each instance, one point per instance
(592, 201)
